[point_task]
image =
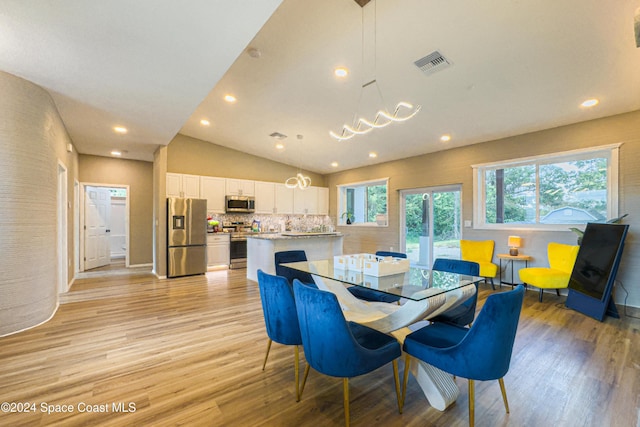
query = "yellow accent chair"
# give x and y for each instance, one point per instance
(561, 260)
(480, 251)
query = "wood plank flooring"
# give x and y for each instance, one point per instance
(132, 350)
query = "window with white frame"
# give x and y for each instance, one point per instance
(548, 192)
(363, 203)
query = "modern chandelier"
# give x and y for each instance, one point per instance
(299, 181)
(402, 112)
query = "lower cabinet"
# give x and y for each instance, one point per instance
(218, 249)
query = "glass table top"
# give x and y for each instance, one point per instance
(416, 284)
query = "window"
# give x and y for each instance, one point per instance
(548, 191)
(363, 203)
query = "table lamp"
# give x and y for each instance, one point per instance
(514, 242)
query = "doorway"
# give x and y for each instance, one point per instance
(430, 223)
(104, 226)
(63, 248)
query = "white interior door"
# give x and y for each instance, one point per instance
(97, 214)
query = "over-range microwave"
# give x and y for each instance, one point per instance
(240, 204)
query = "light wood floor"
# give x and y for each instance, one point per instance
(189, 351)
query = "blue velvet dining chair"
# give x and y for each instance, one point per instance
(280, 317)
(372, 295)
(480, 353)
(464, 313)
(335, 347)
(292, 256)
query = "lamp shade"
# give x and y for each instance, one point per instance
(514, 242)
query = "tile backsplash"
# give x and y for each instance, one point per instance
(278, 222)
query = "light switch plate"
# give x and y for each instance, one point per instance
(467, 223)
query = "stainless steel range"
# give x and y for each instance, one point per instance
(238, 246)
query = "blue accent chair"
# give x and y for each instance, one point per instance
(290, 274)
(374, 296)
(464, 313)
(482, 352)
(335, 347)
(280, 317)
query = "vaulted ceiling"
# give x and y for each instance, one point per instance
(159, 68)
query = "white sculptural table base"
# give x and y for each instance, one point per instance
(438, 386)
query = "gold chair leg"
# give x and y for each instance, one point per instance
(345, 386)
(504, 394)
(296, 367)
(471, 404)
(396, 379)
(266, 355)
(407, 366)
(304, 381)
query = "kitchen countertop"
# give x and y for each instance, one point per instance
(287, 235)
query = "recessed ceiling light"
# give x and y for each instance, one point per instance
(341, 72)
(590, 103)
(280, 146)
(116, 153)
(334, 164)
(120, 129)
(230, 98)
(205, 122)
(373, 155)
(445, 138)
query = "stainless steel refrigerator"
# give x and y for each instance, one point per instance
(186, 237)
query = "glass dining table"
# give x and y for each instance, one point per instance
(424, 294)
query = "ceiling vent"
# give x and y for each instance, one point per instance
(278, 135)
(432, 63)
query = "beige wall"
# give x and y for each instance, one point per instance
(197, 157)
(138, 175)
(33, 140)
(160, 211)
(454, 167)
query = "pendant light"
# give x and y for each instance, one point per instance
(402, 112)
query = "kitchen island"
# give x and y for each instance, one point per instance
(261, 248)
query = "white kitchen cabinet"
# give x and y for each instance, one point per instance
(213, 190)
(240, 187)
(174, 185)
(323, 201)
(265, 197)
(284, 199)
(305, 201)
(183, 185)
(218, 249)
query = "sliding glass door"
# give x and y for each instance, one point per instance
(430, 223)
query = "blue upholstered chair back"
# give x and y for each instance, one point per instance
(457, 266)
(332, 345)
(292, 256)
(393, 254)
(489, 343)
(485, 351)
(372, 295)
(465, 312)
(279, 308)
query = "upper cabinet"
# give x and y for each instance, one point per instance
(323, 201)
(240, 187)
(271, 197)
(265, 197)
(182, 185)
(213, 190)
(284, 199)
(305, 201)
